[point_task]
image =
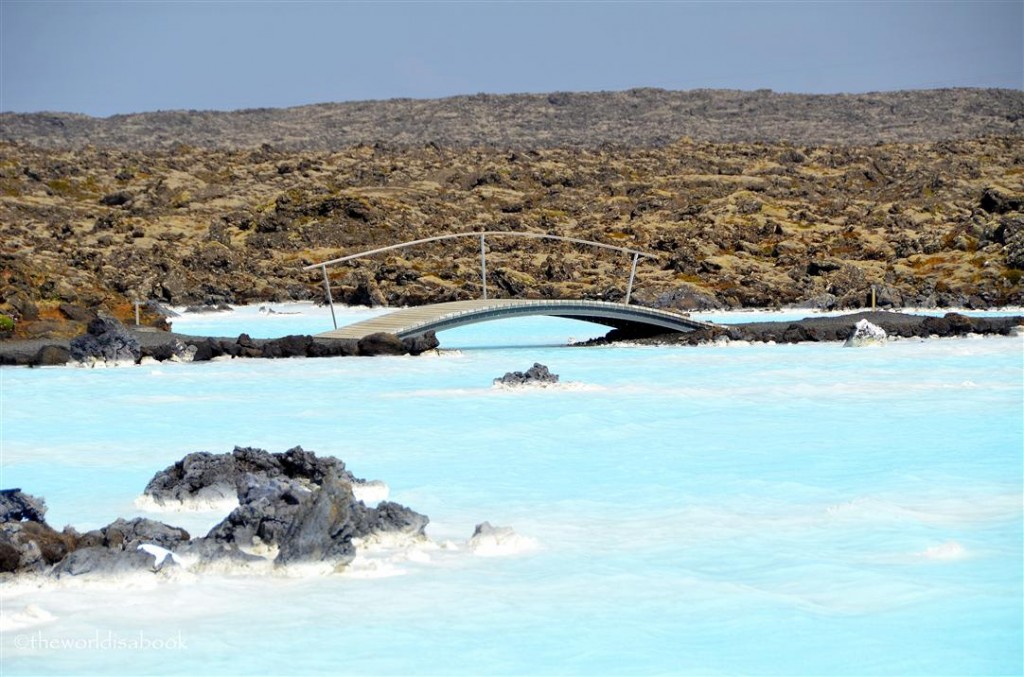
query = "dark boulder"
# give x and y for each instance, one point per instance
(266, 510)
(322, 528)
(174, 350)
(417, 345)
(538, 374)
(288, 346)
(116, 199)
(97, 560)
(206, 476)
(106, 340)
(50, 356)
(381, 343)
(17, 506)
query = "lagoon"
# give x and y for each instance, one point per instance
(727, 509)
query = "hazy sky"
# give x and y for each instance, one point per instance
(103, 58)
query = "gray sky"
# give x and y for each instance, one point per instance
(103, 58)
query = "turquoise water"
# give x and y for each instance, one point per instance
(806, 509)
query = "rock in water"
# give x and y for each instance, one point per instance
(866, 334)
(16, 505)
(538, 374)
(322, 531)
(105, 342)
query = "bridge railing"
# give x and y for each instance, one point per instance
(482, 235)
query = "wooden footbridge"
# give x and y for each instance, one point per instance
(412, 322)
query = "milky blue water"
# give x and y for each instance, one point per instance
(807, 509)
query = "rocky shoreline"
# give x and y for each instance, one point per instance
(108, 342)
(141, 345)
(831, 328)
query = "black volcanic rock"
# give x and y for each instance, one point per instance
(106, 340)
(538, 374)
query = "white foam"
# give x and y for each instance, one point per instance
(213, 501)
(158, 553)
(370, 493)
(945, 551)
(30, 615)
(500, 542)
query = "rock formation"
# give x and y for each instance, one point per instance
(295, 507)
(106, 342)
(538, 374)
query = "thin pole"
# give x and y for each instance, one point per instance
(330, 300)
(632, 275)
(136, 313)
(483, 266)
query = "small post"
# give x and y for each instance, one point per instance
(330, 300)
(137, 313)
(483, 266)
(632, 274)
(872, 297)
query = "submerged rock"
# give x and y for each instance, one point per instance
(866, 334)
(538, 374)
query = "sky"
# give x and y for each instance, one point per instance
(105, 58)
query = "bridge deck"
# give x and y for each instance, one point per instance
(416, 321)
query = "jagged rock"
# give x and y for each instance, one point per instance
(538, 374)
(322, 528)
(266, 510)
(302, 506)
(212, 477)
(866, 334)
(106, 341)
(16, 506)
(122, 534)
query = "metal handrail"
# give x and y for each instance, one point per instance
(483, 256)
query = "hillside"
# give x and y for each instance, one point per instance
(935, 223)
(635, 118)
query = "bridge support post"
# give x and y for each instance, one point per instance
(330, 300)
(483, 265)
(632, 275)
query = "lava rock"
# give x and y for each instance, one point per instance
(381, 343)
(206, 476)
(16, 506)
(106, 341)
(417, 345)
(538, 374)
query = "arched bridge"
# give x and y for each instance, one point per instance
(411, 322)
